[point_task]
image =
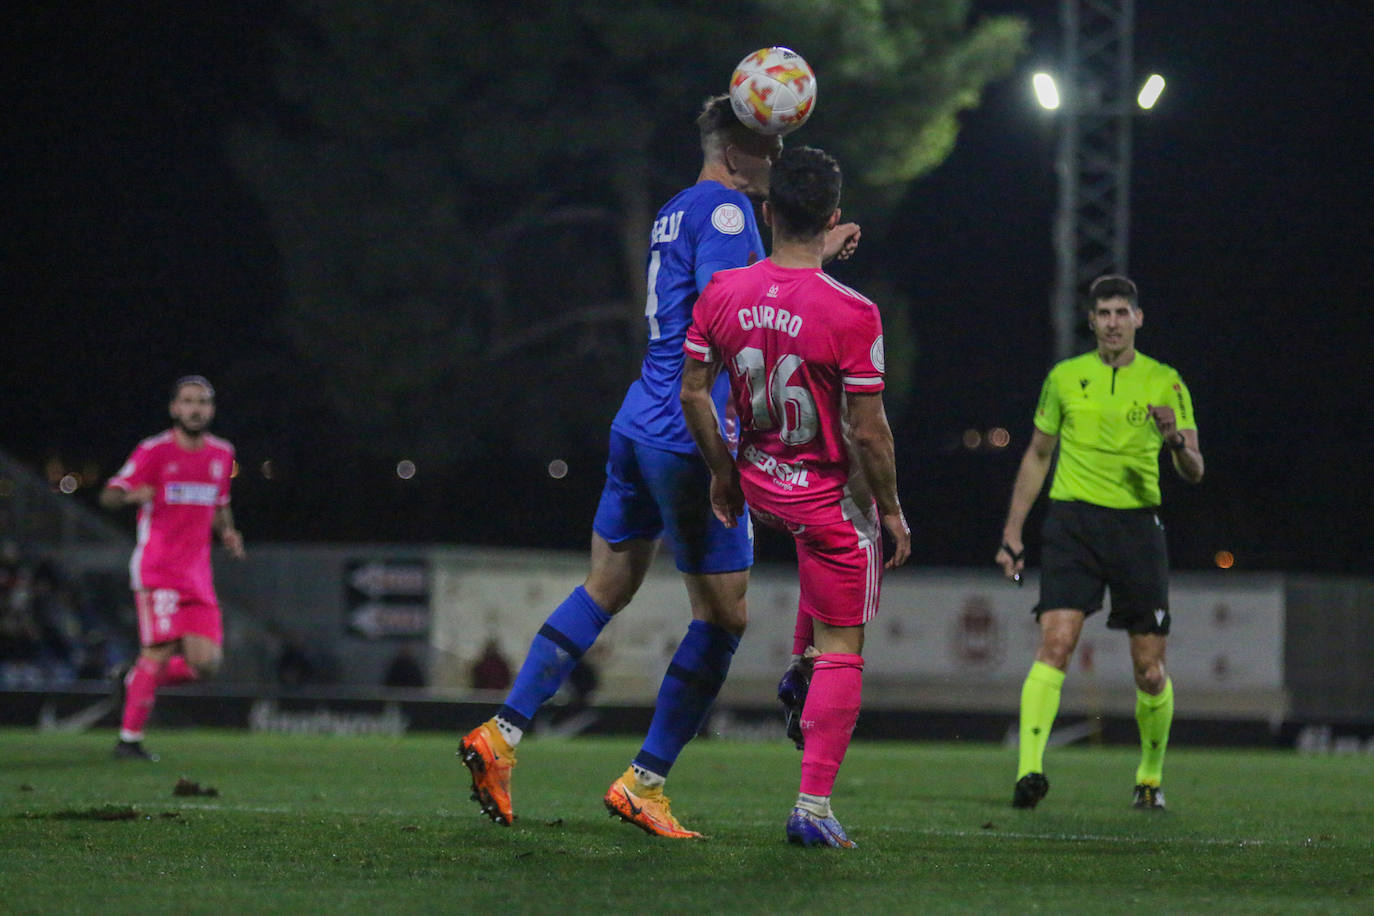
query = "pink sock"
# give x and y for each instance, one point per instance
(177, 671)
(804, 634)
(140, 691)
(828, 718)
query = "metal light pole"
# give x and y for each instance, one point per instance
(1093, 156)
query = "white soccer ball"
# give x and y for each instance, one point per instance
(773, 91)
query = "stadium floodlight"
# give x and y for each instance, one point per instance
(1046, 91)
(1151, 91)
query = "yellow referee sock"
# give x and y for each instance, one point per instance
(1039, 705)
(1154, 715)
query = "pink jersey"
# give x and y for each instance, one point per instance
(173, 548)
(794, 341)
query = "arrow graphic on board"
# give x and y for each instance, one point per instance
(378, 618)
(396, 579)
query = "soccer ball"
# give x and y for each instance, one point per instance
(773, 91)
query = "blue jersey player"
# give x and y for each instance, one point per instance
(657, 488)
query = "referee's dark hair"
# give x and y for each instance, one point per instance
(1110, 286)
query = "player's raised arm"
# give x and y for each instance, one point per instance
(841, 242)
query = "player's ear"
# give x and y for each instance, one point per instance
(834, 220)
(768, 214)
(1139, 316)
(727, 156)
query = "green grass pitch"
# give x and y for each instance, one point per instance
(384, 825)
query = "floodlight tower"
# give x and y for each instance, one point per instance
(1093, 156)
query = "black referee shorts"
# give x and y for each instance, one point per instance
(1089, 548)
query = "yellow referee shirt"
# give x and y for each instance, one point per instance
(1108, 445)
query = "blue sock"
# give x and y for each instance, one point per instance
(568, 632)
(694, 677)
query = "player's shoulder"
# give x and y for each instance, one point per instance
(730, 283)
(709, 193)
(845, 293)
(1155, 366)
(1074, 364)
(710, 203)
(219, 443)
(156, 441)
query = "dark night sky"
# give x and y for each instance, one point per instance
(132, 254)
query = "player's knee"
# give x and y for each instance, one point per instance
(729, 614)
(206, 666)
(1055, 652)
(1150, 677)
(735, 628)
(611, 593)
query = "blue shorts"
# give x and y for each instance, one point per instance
(652, 493)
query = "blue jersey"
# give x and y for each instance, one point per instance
(706, 228)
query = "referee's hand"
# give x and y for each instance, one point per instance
(1011, 556)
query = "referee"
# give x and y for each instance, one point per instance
(1110, 412)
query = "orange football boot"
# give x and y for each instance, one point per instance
(647, 809)
(490, 759)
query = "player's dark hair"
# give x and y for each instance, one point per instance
(1110, 286)
(717, 117)
(185, 380)
(721, 127)
(803, 190)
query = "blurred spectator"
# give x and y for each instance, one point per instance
(404, 670)
(491, 671)
(40, 634)
(54, 611)
(21, 639)
(294, 667)
(97, 660)
(582, 683)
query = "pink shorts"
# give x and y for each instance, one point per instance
(840, 566)
(165, 615)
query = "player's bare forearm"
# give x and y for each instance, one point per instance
(229, 534)
(1182, 443)
(1030, 479)
(700, 413)
(1188, 463)
(114, 498)
(727, 500)
(877, 457)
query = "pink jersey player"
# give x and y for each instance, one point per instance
(805, 358)
(179, 480)
(794, 341)
(173, 550)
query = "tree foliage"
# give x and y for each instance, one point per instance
(461, 192)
